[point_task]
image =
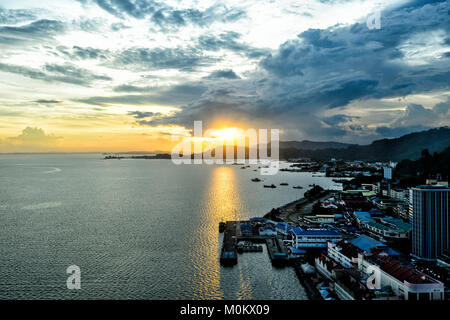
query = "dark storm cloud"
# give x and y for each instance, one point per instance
(66, 73)
(331, 68)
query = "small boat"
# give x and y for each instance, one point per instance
(297, 187)
(284, 184)
(242, 167)
(256, 180)
(270, 186)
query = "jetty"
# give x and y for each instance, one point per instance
(228, 253)
(277, 251)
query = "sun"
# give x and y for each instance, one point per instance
(226, 133)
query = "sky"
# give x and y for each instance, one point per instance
(129, 75)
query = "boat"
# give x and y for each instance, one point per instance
(284, 184)
(256, 180)
(242, 167)
(297, 187)
(270, 186)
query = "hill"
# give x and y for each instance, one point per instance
(408, 146)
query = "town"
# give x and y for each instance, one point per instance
(373, 240)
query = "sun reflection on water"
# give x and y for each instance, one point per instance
(221, 203)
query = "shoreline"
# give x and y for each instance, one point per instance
(284, 212)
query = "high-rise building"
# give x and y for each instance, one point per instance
(387, 173)
(429, 210)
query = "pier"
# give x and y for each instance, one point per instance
(277, 251)
(241, 236)
(228, 253)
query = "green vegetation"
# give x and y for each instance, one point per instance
(411, 173)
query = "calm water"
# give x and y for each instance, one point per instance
(138, 229)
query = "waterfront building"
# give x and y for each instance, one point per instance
(327, 267)
(371, 245)
(283, 228)
(405, 282)
(313, 237)
(267, 230)
(429, 211)
(344, 253)
(382, 227)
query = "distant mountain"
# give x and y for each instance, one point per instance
(408, 146)
(313, 145)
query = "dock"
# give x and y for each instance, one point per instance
(228, 253)
(236, 232)
(277, 251)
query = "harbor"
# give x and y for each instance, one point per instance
(244, 237)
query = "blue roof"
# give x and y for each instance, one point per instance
(298, 251)
(363, 215)
(283, 226)
(258, 219)
(367, 243)
(267, 226)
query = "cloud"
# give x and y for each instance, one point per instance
(33, 139)
(122, 8)
(36, 31)
(45, 101)
(168, 95)
(14, 16)
(66, 73)
(224, 74)
(168, 18)
(229, 41)
(84, 53)
(144, 59)
(143, 115)
(326, 69)
(417, 115)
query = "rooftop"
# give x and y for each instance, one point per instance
(368, 244)
(315, 231)
(400, 272)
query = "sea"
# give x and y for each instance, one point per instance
(136, 228)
